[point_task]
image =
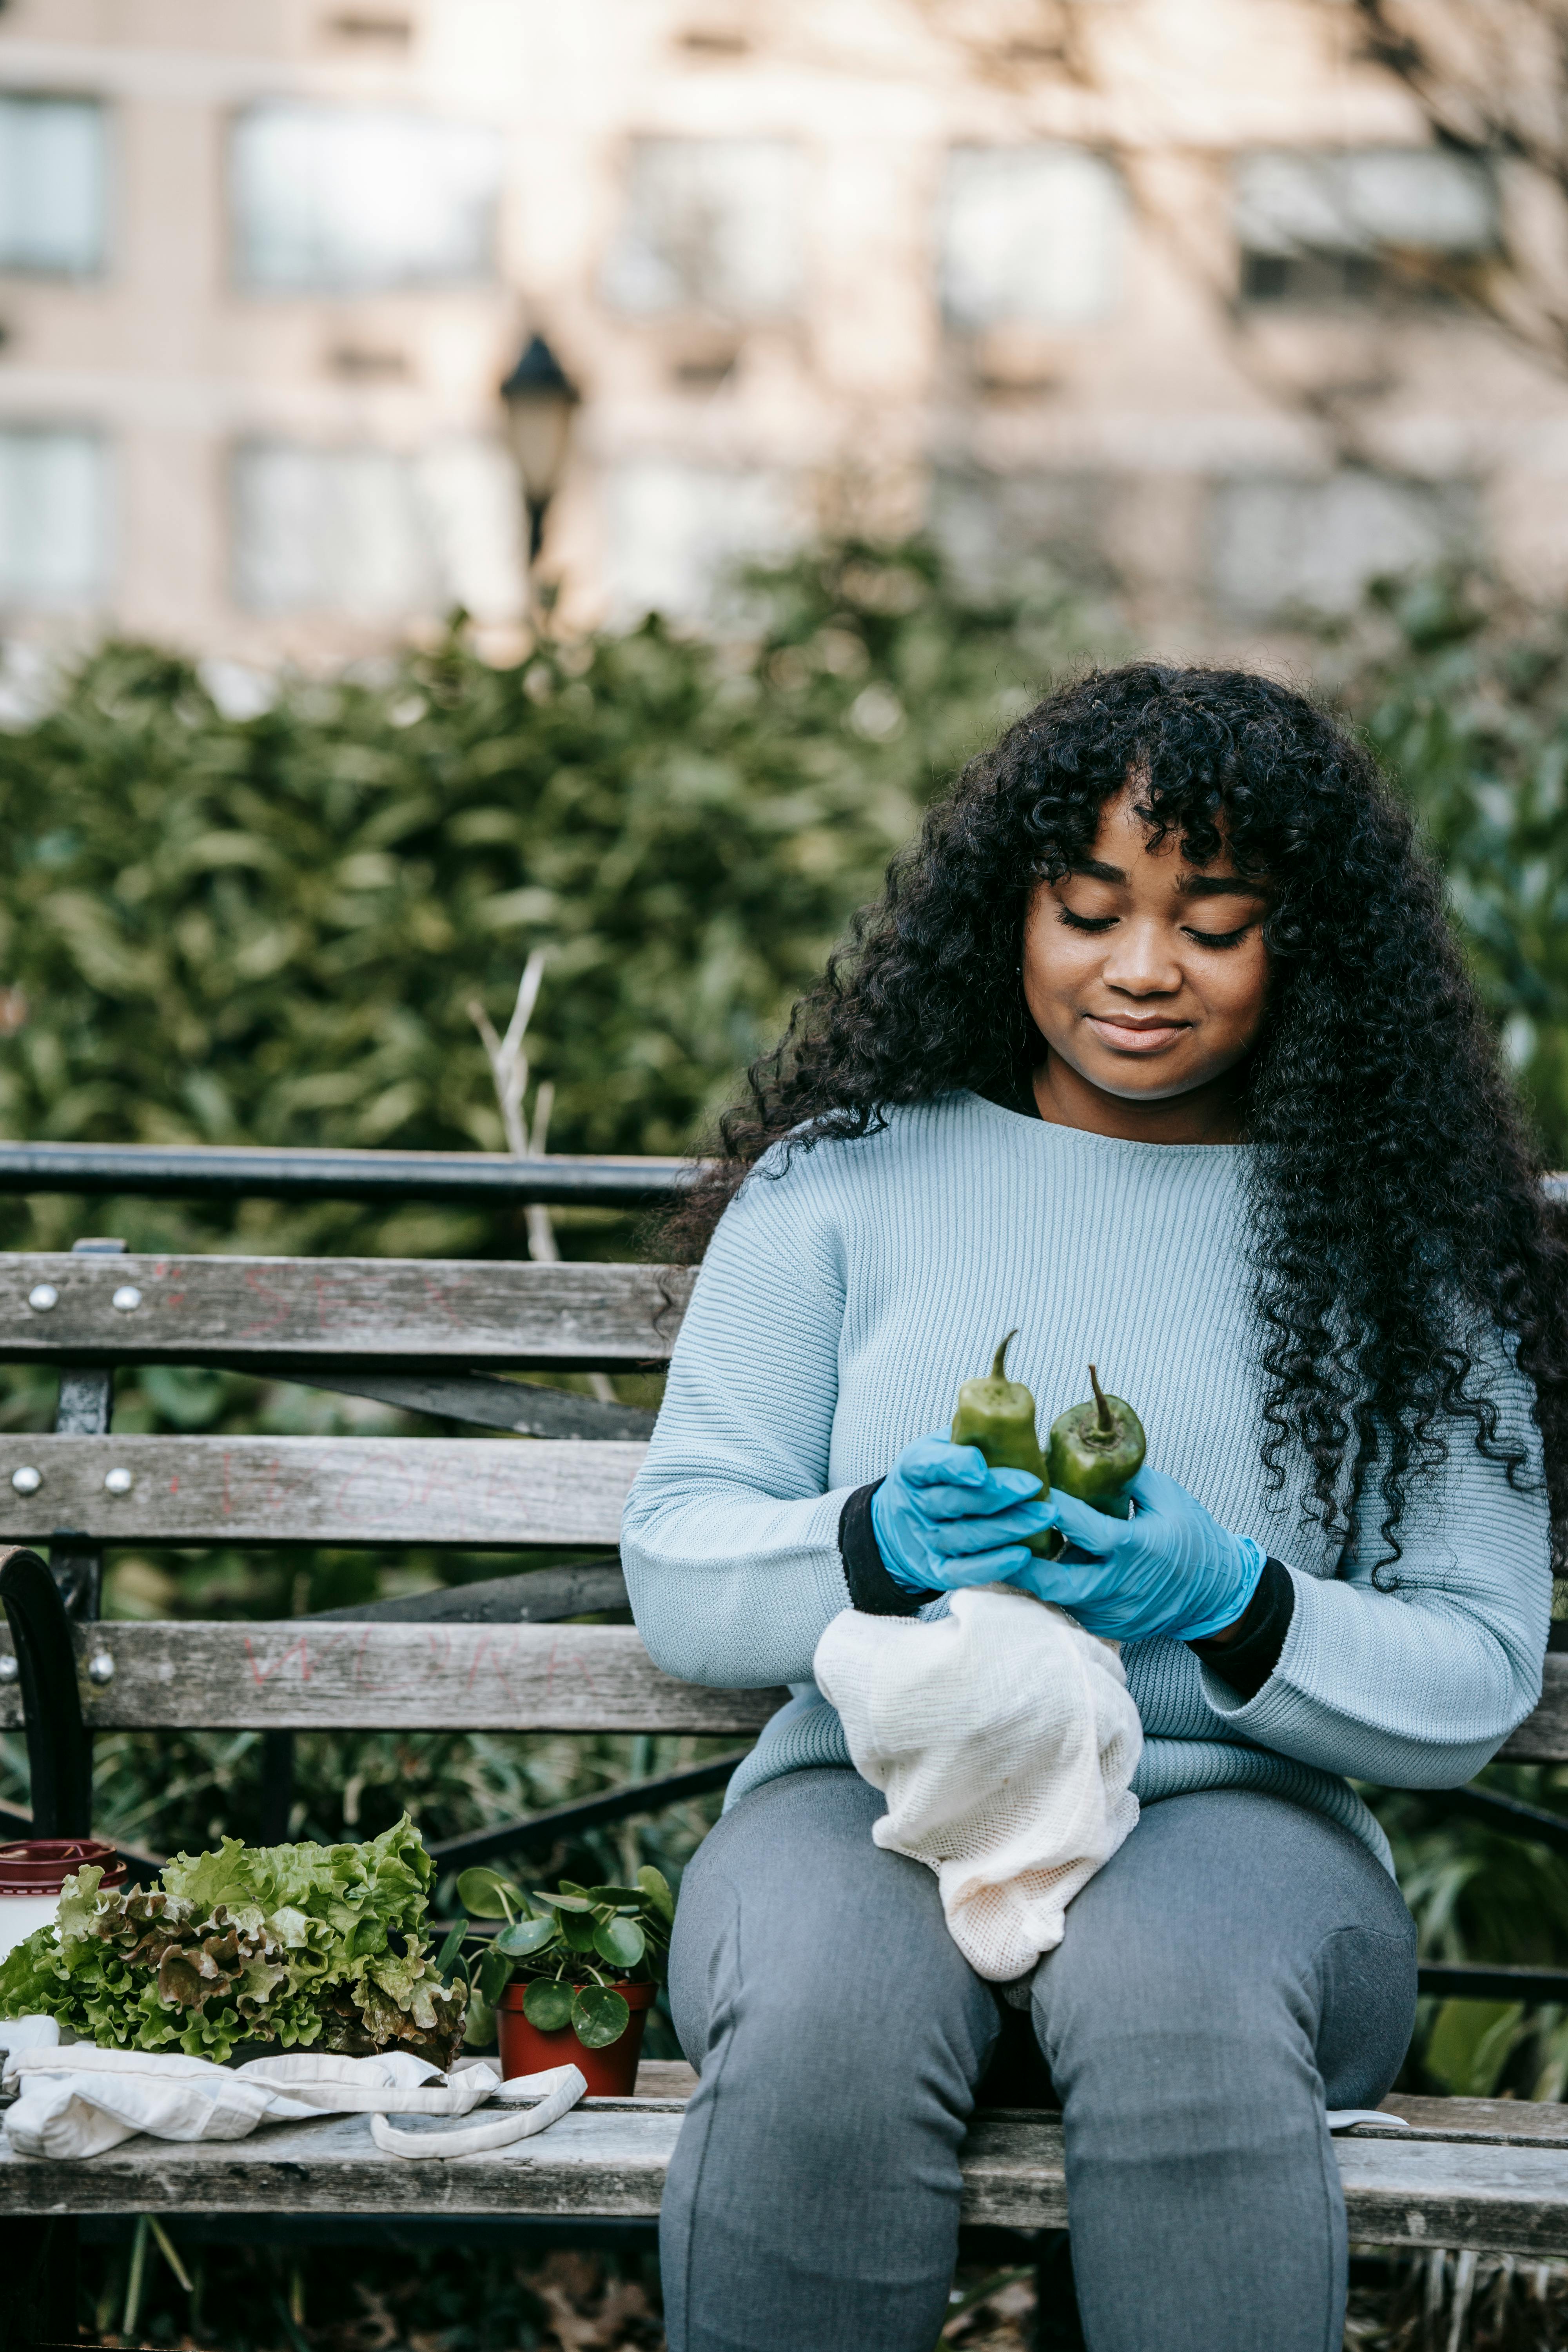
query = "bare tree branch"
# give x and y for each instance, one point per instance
(509, 1074)
(509, 1063)
(1492, 77)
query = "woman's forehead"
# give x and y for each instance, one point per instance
(1129, 836)
(1127, 828)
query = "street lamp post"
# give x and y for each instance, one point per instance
(538, 398)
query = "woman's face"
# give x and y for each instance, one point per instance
(1146, 975)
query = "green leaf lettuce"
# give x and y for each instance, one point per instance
(292, 1945)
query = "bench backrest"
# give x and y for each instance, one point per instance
(430, 1336)
(426, 1334)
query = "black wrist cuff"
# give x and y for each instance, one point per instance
(1250, 1656)
(871, 1588)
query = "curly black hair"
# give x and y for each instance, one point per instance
(1396, 1200)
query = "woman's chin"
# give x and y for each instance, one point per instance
(1146, 1078)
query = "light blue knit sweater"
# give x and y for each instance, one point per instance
(840, 1306)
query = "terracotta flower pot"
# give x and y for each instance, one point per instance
(31, 1872)
(610, 2074)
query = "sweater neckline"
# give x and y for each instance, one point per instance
(1229, 1156)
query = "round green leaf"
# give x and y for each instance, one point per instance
(485, 1894)
(524, 1938)
(621, 1942)
(492, 1976)
(599, 2016)
(565, 1902)
(577, 1930)
(614, 1893)
(479, 2024)
(547, 2005)
(655, 1888)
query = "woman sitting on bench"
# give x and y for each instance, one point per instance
(1158, 1047)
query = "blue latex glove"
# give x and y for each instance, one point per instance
(1169, 1569)
(942, 1518)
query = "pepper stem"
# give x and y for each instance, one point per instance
(1105, 1420)
(999, 1361)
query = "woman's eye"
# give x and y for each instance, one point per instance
(1096, 923)
(1219, 939)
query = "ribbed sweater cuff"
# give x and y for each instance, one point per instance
(871, 1588)
(1250, 1656)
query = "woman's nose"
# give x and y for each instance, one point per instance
(1142, 962)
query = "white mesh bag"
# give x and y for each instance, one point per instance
(1005, 1739)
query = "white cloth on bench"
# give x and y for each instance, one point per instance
(553, 2092)
(1005, 1739)
(80, 2101)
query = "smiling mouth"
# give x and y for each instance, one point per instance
(1125, 1036)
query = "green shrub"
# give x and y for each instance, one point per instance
(269, 931)
(1465, 696)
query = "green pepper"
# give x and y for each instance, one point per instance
(1095, 1448)
(998, 1416)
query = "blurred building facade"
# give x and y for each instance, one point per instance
(1165, 287)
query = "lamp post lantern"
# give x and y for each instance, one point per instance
(538, 398)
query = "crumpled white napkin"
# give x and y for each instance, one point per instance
(80, 2101)
(1006, 1738)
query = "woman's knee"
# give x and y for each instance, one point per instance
(796, 1934)
(1241, 1965)
(1367, 1982)
(844, 2017)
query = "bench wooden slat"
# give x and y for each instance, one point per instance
(601, 2163)
(1402, 2190)
(1543, 1738)
(1483, 2123)
(320, 1675)
(1475, 2123)
(217, 1683)
(495, 1493)
(391, 1311)
(1398, 2190)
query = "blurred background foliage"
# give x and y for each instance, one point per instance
(223, 930)
(1464, 696)
(267, 929)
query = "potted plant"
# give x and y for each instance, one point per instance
(570, 1975)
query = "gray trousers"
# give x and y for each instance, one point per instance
(1238, 1967)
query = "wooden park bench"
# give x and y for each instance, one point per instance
(503, 1655)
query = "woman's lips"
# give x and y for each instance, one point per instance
(1123, 1037)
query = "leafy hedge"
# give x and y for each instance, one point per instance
(269, 929)
(1466, 699)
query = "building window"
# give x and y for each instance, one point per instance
(1357, 224)
(53, 517)
(52, 174)
(330, 531)
(712, 225)
(995, 529)
(1287, 551)
(355, 199)
(1030, 235)
(679, 533)
(376, 534)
